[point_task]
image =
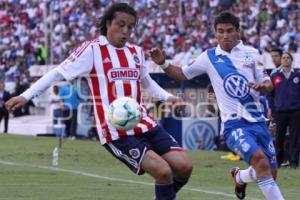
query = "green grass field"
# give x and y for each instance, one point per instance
(86, 171)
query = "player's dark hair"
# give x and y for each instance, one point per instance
(226, 17)
(290, 55)
(277, 50)
(109, 15)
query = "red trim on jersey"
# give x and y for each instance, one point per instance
(176, 149)
(81, 49)
(99, 106)
(111, 87)
(124, 63)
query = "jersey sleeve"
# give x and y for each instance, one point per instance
(260, 72)
(80, 62)
(196, 67)
(144, 70)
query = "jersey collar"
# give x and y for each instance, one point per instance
(281, 70)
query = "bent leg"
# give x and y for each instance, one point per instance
(265, 180)
(181, 166)
(157, 167)
(136, 153)
(160, 170)
(167, 147)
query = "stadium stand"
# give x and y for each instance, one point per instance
(42, 33)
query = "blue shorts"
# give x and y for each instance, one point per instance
(131, 149)
(245, 138)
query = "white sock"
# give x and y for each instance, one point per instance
(270, 189)
(246, 176)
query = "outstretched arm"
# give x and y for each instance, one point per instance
(174, 72)
(264, 87)
(36, 89)
(152, 88)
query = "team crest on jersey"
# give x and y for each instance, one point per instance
(236, 86)
(136, 59)
(296, 80)
(248, 61)
(135, 153)
(123, 74)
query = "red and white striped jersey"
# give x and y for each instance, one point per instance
(111, 72)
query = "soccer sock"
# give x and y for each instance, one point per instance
(270, 189)
(178, 183)
(164, 192)
(246, 176)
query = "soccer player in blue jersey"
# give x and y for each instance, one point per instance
(237, 76)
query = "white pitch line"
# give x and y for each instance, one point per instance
(115, 179)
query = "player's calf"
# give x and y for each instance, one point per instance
(182, 168)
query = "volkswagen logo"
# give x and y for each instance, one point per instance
(236, 86)
(199, 135)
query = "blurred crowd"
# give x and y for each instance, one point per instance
(44, 31)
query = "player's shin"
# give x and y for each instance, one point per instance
(178, 183)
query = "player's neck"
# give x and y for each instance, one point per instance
(287, 68)
(230, 49)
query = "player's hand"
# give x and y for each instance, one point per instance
(15, 102)
(157, 55)
(175, 100)
(257, 86)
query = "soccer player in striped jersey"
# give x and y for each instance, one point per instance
(114, 68)
(237, 77)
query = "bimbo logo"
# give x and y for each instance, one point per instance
(199, 135)
(123, 74)
(236, 86)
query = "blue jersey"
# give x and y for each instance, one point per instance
(245, 129)
(229, 74)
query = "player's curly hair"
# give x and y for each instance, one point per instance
(109, 15)
(226, 17)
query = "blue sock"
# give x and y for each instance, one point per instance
(178, 183)
(164, 192)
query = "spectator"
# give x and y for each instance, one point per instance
(276, 57)
(4, 96)
(69, 94)
(212, 107)
(285, 103)
(57, 106)
(19, 89)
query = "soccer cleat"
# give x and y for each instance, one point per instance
(227, 156)
(235, 158)
(239, 189)
(285, 164)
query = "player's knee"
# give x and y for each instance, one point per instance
(262, 161)
(185, 168)
(164, 174)
(261, 164)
